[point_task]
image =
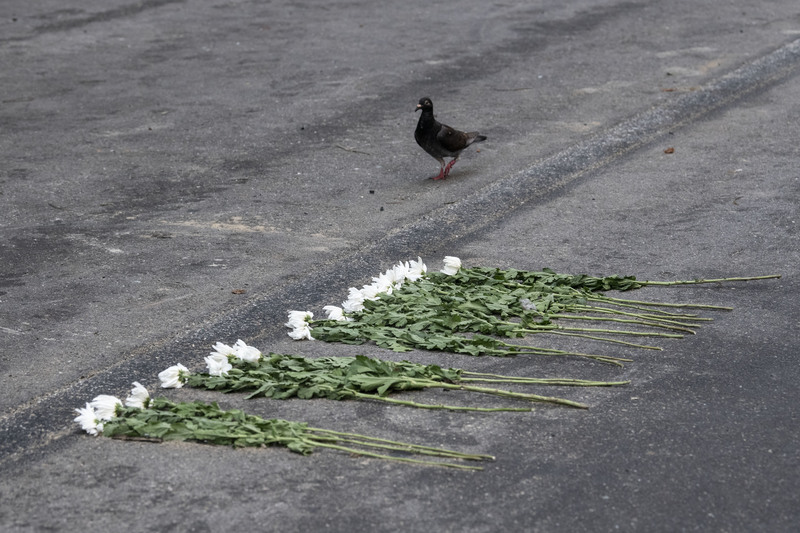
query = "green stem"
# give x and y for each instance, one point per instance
(517, 395)
(645, 308)
(516, 349)
(606, 330)
(653, 316)
(626, 332)
(623, 321)
(406, 445)
(647, 319)
(444, 407)
(556, 328)
(397, 459)
(662, 304)
(568, 382)
(698, 281)
(410, 449)
(606, 339)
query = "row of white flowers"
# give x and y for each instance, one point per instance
(104, 406)
(217, 362)
(385, 283)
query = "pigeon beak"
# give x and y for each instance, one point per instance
(418, 108)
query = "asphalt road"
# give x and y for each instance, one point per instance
(176, 173)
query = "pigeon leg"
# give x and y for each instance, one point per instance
(448, 167)
(442, 174)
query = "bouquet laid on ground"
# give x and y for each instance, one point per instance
(242, 368)
(472, 310)
(159, 419)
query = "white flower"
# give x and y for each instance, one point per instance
(299, 318)
(139, 397)
(172, 378)
(301, 333)
(223, 349)
(335, 313)
(88, 420)
(246, 353)
(416, 269)
(370, 292)
(105, 406)
(398, 274)
(384, 283)
(355, 301)
(218, 364)
(451, 265)
(240, 350)
(299, 322)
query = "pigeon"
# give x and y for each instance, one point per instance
(439, 140)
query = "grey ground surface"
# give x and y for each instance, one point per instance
(159, 155)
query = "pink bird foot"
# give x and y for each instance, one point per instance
(440, 176)
(448, 167)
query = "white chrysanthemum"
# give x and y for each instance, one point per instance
(139, 397)
(370, 292)
(88, 420)
(384, 283)
(223, 349)
(172, 378)
(301, 333)
(336, 313)
(105, 406)
(218, 364)
(299, 322)
(398, 274)
(416, 269)
(299, 318)
(354, 302)
(246, 353)
(451, 265)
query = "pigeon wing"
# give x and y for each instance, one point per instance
(452, 140)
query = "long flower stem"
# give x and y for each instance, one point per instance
(623, 321)
(626, 332)
(408, 448)
(605, 339)
(672, 319)
(497, 378)
(439, 406)
(556, 329)
(516, 349)
(397, 459)
(517, 395)
(698, 281)
(329, 433)
(660, 304)
(554, 382)
(650, 307)
(647, 319)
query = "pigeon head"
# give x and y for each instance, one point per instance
(425, 104)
